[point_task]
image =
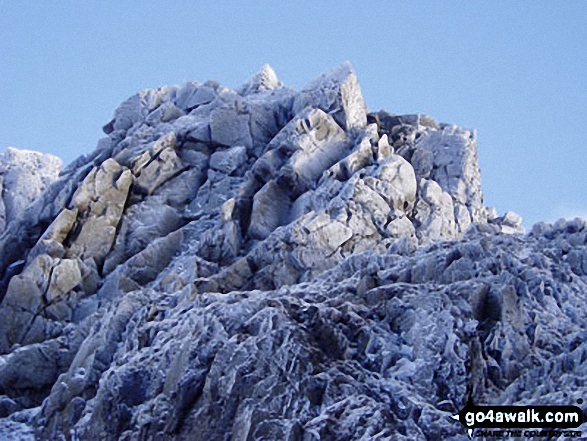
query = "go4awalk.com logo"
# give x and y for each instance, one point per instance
(552, 421)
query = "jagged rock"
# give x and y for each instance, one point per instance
(271, 206)
(193, 95)
(336, 92)
(434, 212)
(449, 157)
(298, 155)
(359, 158)
(142, 224)
(228, 160)
(217, 189)
(509, 223)
(51, 242)
(396, 183)
(264, 81)
(157, 166)
(146, 265)
(2, 208)
(229, 125)
(268, 264)
(130, 112)
(65, 276)
(23, 177)
(100, 202)
(269, 113)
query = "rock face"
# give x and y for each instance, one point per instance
(272, 264)
(23, 177)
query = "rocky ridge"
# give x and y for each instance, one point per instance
(262, 263)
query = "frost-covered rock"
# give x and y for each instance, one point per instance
(262, 263)
(23, 177)
(265, 80)
(337, 92)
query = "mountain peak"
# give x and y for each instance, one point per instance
(263, 81)
(265, 263)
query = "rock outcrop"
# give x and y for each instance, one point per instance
(262, 263)
(23, 177)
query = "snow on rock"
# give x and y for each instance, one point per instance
(262, 263)
(338, 93)
(23, 176)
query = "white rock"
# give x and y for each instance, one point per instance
(396, 183)
(131, 111)
(265, 80)
(226, 161)
(176, 294)
(338, 93)
(24, 175)
(271, 206)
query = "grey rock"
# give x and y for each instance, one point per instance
(270, 112)
(203, 95)
(434, 212)
(267, 264)
(164, 113)
(185, 94)
(8, 406)
(510, 223)
(16, 431)
(182, 188)
(265, 80)
(200, 132)
(147, 264)
(210, 197)
(130, 112)
(143, 223)
(226, 161)
(229, 126)
(2, 208)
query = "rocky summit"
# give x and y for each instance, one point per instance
(267, 264)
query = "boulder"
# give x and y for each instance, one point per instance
(229, 126)
(227, 161)
(266, 264)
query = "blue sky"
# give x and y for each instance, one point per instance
(515, 70)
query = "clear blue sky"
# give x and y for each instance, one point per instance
(515, 70)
